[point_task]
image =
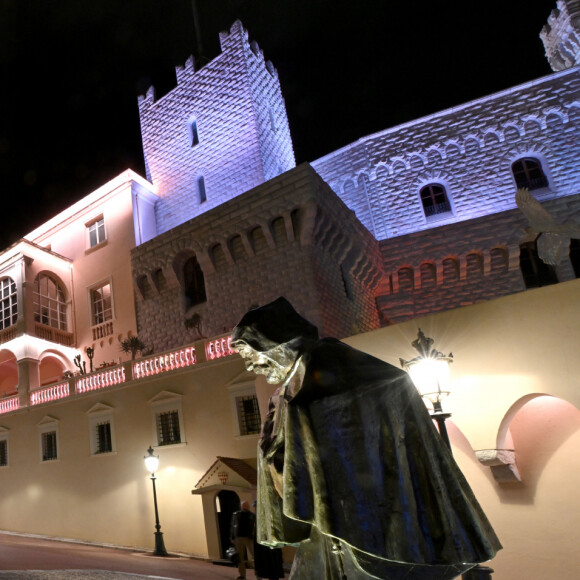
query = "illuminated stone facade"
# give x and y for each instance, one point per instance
(220, 132)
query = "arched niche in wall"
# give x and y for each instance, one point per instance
(535, 427)
(474, 265)
(406, 279)
(191, 278)
(428, 275)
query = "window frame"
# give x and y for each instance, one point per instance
(100, 232)
(61, 308)
(543, 182)
(4, 443)
(167, 402)
(47, 426)
(97, 415)
(110, 309)
(236, 392)
(438, 215)
(200, 189)
(11, 300)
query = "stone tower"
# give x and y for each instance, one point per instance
(220, 132)
(561, 35)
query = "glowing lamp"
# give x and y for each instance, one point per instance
(151, 461)
(429, 371)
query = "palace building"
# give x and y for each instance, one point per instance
(413, 226)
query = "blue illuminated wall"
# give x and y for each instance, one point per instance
(220, 132)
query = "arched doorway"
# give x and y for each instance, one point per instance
(226, 503)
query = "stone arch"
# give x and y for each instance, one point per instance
(491, 139)
(237, 249)
(474, 264)
(398, 165)
(278, 229)
(258, 239)
(190, 276)
(471, 146)
(406, 280)
(143, 285)
(428, 273)
(532, 126)
(499, 259)
(452, 149)
(434, 156)
(416, 162)
(52, 365)
(511, 133)
(555, 117)
(218, 256)
(450, 267)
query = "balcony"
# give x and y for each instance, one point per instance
(205, 351)
(53, 334)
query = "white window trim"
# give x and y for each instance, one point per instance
(90, 289)
(163, 402)
(236, 391)
(4, 437)
(47, 425)
(101, 413)
(88, 224)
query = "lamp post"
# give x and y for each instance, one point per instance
(152, 463)
(430, 373)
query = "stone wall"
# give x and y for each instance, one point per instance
(469, 149)
(240, 124)
(290, 236)
(461, 264)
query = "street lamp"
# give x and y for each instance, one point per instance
(430, 373)
(152, 463)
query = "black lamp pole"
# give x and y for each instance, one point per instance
(159, 544)
(424, 346)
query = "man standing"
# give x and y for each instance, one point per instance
(242, 533)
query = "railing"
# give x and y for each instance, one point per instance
(219, 347)
(53, 334)
(184, 357)
(100, 379)
(103, 330)
(8, 333)
(48, 394)
(9, 404)
(133, 370)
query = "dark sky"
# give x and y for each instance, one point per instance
(72, 70)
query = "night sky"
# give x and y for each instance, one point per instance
(72, 70)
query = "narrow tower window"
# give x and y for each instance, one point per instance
(193, 133)
(201, 196)
(193, 282)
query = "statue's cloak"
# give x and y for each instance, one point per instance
(360, 461)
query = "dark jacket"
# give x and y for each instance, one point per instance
(243, 525)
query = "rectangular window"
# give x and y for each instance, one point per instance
(49, 450)
(168, 432)
(248, 414)
(96, 232)
(3, 453)
(104, 442)
(101, 304)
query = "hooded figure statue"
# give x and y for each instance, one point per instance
(350, 467)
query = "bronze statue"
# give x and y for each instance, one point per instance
(351, 468)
